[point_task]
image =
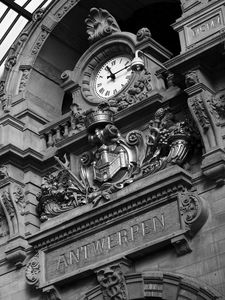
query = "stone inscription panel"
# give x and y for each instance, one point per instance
(202, 29)
(121, 239)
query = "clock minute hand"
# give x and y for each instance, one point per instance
(122, 69)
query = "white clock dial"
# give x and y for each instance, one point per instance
(112, 77)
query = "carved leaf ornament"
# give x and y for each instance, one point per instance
(100, 23)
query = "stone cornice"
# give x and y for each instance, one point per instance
(201, 11)
(184, 58)
(139, 196)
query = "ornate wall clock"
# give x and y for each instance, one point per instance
(107, 73)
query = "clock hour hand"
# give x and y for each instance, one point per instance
(126, 67)
(111, 73)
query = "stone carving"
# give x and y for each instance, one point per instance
(197, 105)
(20, 199)
(181, 245)
(191, 78)
(4, 229)
(40, 40)
(218, 105)
(143, 33)
(24, 79)
(114, 161)
(8, 204)
(51, 293)
(77, 122)
(3, 172)
(193, 211)
(32, 271)
(59, 193)
(65, 8)
(139, 91)
(100, 23)
(112, 282)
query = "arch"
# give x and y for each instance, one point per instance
(162, 285)
(52, 44)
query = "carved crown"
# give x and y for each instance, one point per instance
(101, 116)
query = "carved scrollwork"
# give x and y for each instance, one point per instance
(32, 271)
(194, 212)
(100, 23)
(143, 33)
(112, 282)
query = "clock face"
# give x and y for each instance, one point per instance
(112, 77)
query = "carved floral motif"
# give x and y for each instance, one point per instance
(100, 23)
(114, 161)
(112, 282)
(32, 271)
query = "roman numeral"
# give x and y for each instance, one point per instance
(113, 62)
(99, 84)
(101, 91)
(127, 63)
(107, 93)
(114, 91)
